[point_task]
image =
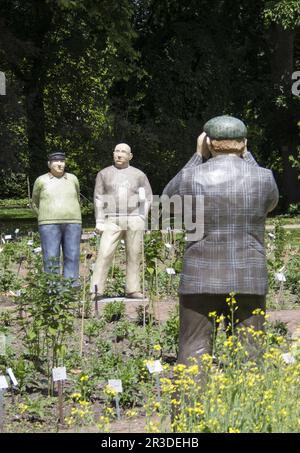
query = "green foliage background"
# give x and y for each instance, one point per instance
(83, 76)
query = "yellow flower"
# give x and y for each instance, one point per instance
(76, 396)
(233, 430)
(193, 370)
(166, 385)
(109, 391)
(206, 360)
(212, 314)
(179, 368)
(220, 319)
(228, 343)
(84, 403)
(258, 311)
(283, 412)
(84, 378)
(23, 408)
(131, 413)
(153, 427)
(148, 362)
(69, 420)
(157, 347)
(103, 424)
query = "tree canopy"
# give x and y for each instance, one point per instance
(84, 75)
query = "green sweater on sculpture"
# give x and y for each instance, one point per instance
(56, 200)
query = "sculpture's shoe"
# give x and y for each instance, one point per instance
(136, 295)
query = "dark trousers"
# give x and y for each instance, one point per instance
(66, 236)
(196, 327)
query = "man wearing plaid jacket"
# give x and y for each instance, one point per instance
(230, 257)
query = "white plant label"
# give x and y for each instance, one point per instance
(288, 358)
(12, 376)
(7, 237)
(59, 374)
(2, 344)
(37, 250)
(116, 384)
(280, 277)
(3, 240)
(170, 271)
(30, 242)
(17, 230)
(154, 367)
(3, 383)
(168, 246)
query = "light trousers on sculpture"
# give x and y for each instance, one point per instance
(131, 229)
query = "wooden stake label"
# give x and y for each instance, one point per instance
(59, 374)
(170, 271)
(280, 277)
(154, 367)
(3, 383)
(116, 384)
(12, 376)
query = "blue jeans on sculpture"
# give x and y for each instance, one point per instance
(66, 235)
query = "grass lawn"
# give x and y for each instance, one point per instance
(16, 213)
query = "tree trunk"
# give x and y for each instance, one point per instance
(285, 119)
(34, 105)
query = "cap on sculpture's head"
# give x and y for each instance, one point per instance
(59, 155)
(225, 127)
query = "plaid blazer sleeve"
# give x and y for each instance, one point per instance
(172, 188)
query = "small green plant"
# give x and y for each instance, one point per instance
(115, 282)
(93, 328)
(84, 386)
(294, 209)
(279, 327)
(113, 311)
(123, 329)
(5, 319)
(293, 274)
(34, 409)
(103, 346)
(279, 244)
(170, 332)
(143, 315)
(7, 280)
(49, 301)
(153, 255)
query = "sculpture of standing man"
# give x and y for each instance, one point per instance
(55, 200)
(230, 257)
(122, 199)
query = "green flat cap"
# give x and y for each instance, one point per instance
(225, 128)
